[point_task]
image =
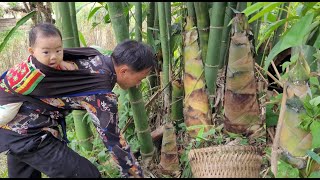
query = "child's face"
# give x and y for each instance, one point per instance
(48, 50)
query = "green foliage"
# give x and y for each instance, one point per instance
(99, 155)
(285, 170)
(315, 174)
(272, 113)
(22, 21)
(13, 4)
(1, 12)
(294, 37)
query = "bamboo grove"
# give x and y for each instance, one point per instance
(226, 70)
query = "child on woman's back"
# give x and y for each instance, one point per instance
(45, 45)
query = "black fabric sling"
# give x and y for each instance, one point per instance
(41, 105)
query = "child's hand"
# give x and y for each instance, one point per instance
(64, 65)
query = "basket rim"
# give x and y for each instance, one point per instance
(247, 148)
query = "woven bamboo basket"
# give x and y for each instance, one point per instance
(225, 162)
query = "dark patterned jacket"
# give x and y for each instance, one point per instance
(89, 88)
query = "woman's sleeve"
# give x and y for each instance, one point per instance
(103, 110)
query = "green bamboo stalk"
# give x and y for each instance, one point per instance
(191, 11)
(241, 6)
(156, 21)
(58, 15)
(150, 40)
(74, 23)
(82, 129)
(203, 23)
(119, 23)
(120, 27)
(225, 41)
(169, 160)
(141, 123)
(214, 45)
(177, 103)
(165, 54)
(139, 112)
(66, 24)
(167, 7)
(126, 5)
(138, 20)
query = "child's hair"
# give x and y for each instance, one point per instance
(46, 29)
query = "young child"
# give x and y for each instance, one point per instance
(45, 44)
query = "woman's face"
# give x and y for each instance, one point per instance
(127, 78)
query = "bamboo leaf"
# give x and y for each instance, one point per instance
(273, 27)
(271, 118)
(81, 7)
(82, 39)
(93, 12)
(253, 8)
(294, 37)
(13, 30)
(314, 174)
(286, 170)
(315, 131)
(314, 156)
(311, 28)
(307, 6)
(314, 81)
(107, 18)
(101, 50)
(200, 135)
(266, 9)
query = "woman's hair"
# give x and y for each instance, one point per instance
(44, 29)
(136, 55)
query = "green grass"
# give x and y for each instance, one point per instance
(3, 167)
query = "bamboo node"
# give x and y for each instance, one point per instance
(211, 66)
(137, 102)
(148, 154)
(216, 27)
(118, 15)
(143, 131)
(204, 29)
(67, 38)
